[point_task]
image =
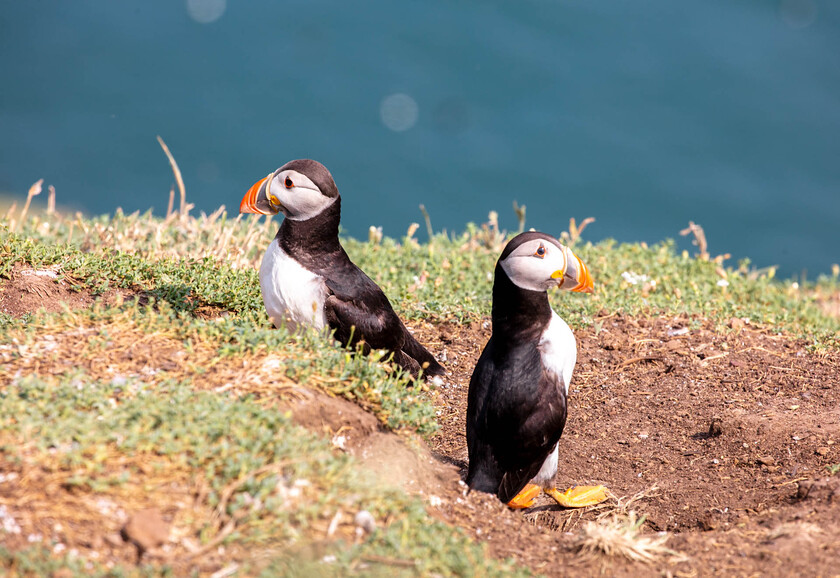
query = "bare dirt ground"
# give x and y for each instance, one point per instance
(731, 436)
(726, 437)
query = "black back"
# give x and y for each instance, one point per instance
(356, 309)
(516, 410)
(314, 244)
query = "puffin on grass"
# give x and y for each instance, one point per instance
(516, 409)
(307, 278)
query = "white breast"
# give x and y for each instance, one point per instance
(559, 350)
(290, 292)
(545, 476)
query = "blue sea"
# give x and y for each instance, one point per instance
(644, 115)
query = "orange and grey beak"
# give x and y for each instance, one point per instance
(258, 199)
(576, 277)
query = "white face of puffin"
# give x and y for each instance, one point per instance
(296, 195)
(540, 264)
(287, 191)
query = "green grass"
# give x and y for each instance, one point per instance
(457, 274)
(683, 285)
(78, 424)
(72, 422)
(306, 359)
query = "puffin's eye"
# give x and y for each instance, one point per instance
(540, 252)
(288, 182)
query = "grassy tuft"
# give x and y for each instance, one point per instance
(267, 481)
(166, 389)
(621, 536)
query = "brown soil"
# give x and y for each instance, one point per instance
(723, 430)
(725, 435)
(27, 290)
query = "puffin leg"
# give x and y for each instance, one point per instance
(578, 496)
(525, 498)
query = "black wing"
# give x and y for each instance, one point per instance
(535, 439)
(360, 310)
(483, 473)
(357, 309)
(515, 416)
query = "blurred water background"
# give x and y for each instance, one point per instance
(643, 115)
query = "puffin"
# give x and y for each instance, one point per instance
(306, 277)
(517, 400)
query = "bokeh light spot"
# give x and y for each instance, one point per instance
(398, 112)
(206, 11)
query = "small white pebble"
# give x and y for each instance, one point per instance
(7, 521)
(365, 521)
(339, 442)
(11, 476)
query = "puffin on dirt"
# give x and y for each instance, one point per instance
(516, 408)
(306, 276)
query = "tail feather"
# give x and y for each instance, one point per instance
(413, 348)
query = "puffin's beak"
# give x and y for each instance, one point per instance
(576, 277)
(256, 200)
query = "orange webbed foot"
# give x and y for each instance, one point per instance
(525, 498)
(579, 496)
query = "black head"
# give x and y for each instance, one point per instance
(315, 172)
(300, 189)
(538, 262)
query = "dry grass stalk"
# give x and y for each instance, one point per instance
(620, 536)
(375, 235)
(520, 215)
(178, 179)
(700, 242)
(571, 236)
(204, 236)
(171, 203)
(10, 216)
(622, 506)
(699, 239)
(34, 190)
(429, 230)
(409, 234)
(51, 201)
(490, 237)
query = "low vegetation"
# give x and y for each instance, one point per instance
(187, 420)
